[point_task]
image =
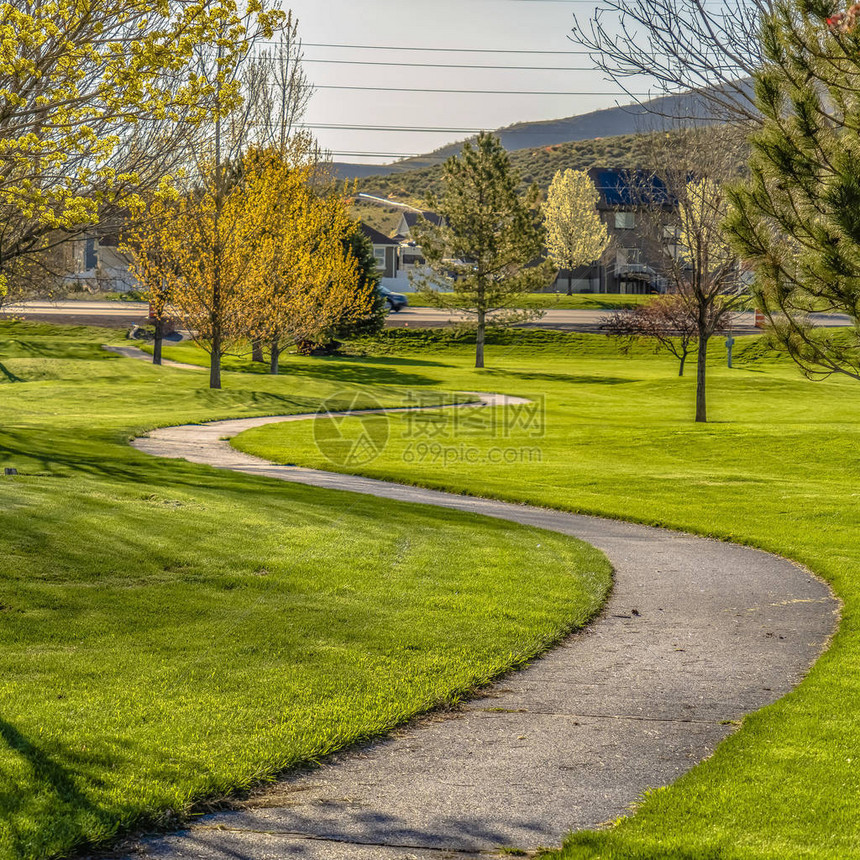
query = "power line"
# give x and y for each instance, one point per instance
(476, 92)
(453, 66)
(441, 50)
(344, 127)
(382, 155)
(420, 129)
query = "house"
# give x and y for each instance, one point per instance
(402, 251)
(385, 250)
(410, 218)
(635, 205)
(410, 259)
(409, 215)
(97, 264)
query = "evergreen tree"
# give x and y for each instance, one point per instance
(487, 248)
(798, 217)
(360, 248)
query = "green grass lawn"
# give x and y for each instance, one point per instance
(560, 301)
(170, 632)
(778, 468)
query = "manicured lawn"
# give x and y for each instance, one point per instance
(170, 632)
(779, 468)
(561, 301)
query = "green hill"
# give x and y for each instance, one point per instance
(538, 165)
(535, 165)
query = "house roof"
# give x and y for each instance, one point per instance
(376, 237)
(620, 186)
(413, 217)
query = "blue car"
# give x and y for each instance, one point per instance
(396, 301)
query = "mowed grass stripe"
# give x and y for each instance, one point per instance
(779, 468)
(170, 633)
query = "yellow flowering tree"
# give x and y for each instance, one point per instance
(147, 244)
(199, 257)
(309, 284)
(97, 101)
(575, 234)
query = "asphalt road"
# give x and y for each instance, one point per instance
(125, 314)
(576, 320)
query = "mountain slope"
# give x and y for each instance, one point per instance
(658, 114)
(534, 165)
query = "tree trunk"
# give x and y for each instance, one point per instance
(275, 357)
(683, 362)
(156, 346)
(701, 368)
(257, 350)
(479, 338)
(216, 309)
(570, 283)
(215, 359)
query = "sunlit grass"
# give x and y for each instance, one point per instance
(170, 632)
(778, 468)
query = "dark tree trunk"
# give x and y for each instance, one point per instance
(479, 339)
(683, 362)
(701, 370)
(570, 283)
(216, 314)
(159, 338)
(215, 355)
(257, 350)
(275, 357)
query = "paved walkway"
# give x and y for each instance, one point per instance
(697, 633)
(139, 355)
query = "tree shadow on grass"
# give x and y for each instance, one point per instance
(348, 371)
(10, 376)
(391, 360)
(56, 788)
(567, 378)
(54, 349)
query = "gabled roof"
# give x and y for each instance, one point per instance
(413, 217)
(620, 186)
(375, 236)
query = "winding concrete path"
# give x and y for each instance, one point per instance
(697, 634)
(138, 354)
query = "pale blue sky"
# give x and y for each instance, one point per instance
(540, 25)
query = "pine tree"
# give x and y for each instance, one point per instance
(360, 248)
(797, 219)
(576, 236)
(486, 251)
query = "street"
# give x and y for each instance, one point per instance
(124, 314)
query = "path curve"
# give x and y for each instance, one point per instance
(696, 634)
(138, 354)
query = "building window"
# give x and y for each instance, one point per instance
(627, 257)
(672, 241)
(379, 254)
(625, 220)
